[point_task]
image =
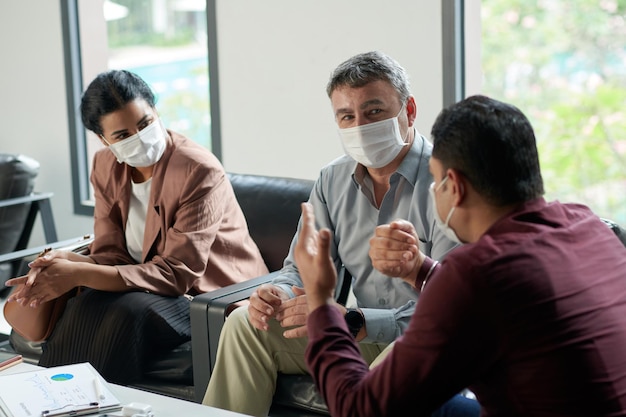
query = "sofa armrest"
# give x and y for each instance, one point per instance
(74, 244)
(207, 314)
(78, 245)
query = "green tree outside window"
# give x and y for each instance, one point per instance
(563, 63)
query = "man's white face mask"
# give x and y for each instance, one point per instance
(444, 226)
(375, 144)
(143, 149)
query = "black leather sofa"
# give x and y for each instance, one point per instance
(272, 209)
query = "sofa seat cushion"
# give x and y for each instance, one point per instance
(173, 366)
(170, 389)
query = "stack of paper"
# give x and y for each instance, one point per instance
(70, 390)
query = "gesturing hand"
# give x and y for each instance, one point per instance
(312, 254)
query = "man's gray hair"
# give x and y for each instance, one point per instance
(367, 67)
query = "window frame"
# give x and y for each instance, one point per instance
(83, 205)
(453, 50)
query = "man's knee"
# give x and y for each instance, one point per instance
(237, 320)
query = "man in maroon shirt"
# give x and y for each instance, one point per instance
(530, 312)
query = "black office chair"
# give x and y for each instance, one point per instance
(18, 210)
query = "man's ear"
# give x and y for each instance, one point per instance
(457, 182)
(411, 110)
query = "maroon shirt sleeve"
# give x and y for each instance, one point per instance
(425, 367)
(428, 267)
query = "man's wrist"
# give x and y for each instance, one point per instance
(317, 300)
(424, 272)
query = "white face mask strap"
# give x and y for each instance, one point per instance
(401, 108)
(449, 216)
(441, 183)
(409, 127)
(104, 139)
(447, 222)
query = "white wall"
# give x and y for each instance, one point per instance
(274, 61)
(275, 58)
(33, 110)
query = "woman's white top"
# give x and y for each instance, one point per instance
(136, 224)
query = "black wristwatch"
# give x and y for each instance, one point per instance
(355, 320)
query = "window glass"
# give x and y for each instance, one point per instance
(563, 63)
(165, 43)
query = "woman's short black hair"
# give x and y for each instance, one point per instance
(493, 145)
(110, 91)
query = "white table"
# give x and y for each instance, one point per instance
(162, 406)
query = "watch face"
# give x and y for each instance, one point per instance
(355, 321)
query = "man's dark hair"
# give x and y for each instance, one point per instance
(493, 145)
(110, 91)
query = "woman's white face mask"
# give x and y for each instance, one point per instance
(143, 149)
(374, 144)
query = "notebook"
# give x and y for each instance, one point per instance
(68, 390)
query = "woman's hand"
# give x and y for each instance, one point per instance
(50, 276)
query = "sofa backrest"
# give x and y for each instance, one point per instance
(272, 209)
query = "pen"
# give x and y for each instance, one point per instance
(61, 412)
(31, 278)
(99, 393)
(43, 252)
